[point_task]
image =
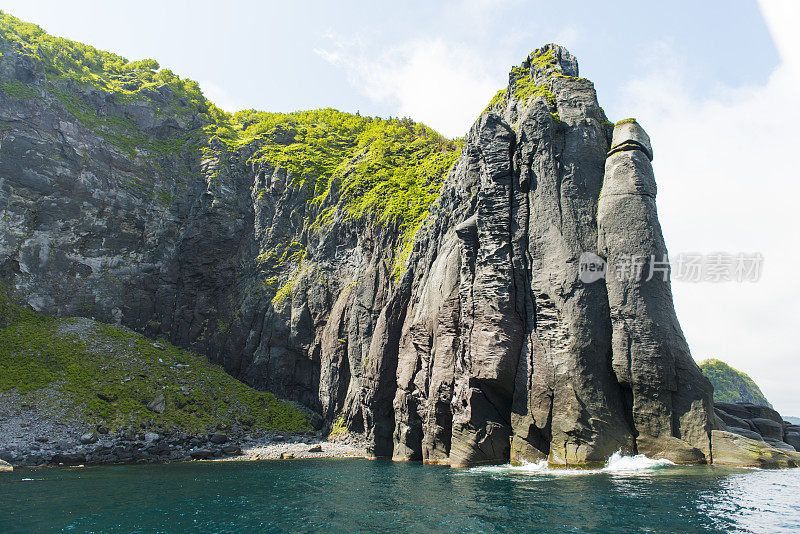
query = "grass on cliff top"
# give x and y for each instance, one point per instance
(731, 385)
(62, 59)
(522, 87)
(386, 172)
(386, 167)
(67, 70)
(107, 374)
(383, 172)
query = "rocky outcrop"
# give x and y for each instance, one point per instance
(792, 435)
(734, 449)
(487, 347)
(761, 423)
(504, 350)
(751, 435)
(670, 399)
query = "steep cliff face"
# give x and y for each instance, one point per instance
(503, 351)
(671, 399)
(127, 197)
(422, 291)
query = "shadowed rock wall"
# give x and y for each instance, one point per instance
(489, 347)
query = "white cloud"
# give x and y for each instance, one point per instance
(477, 16)
(568, 36)
(782, 17)
(219, 96)
(445, 80)
(728, 181)
(440, 83)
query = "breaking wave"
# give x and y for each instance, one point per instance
(618, 464)
(634, 464)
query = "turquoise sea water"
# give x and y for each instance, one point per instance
(379, 496)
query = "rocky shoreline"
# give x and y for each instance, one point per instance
(100, 447)
(38, 436)
(734, 446)
(302, 449)
(745, 435)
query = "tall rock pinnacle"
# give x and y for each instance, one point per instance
(504, 349)
(671, 401)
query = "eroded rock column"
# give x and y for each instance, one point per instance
(670, 399)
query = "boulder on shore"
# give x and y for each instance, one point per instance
(5, 467)
(218, 439)
(158, 405)
(89, 437)
(201, 454)
(232, 450)
(732, 449)
(760, 423)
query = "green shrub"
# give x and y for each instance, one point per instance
(731, 385)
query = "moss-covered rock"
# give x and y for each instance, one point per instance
(731, 385)
(111, 375)
(10, 311)
(732, 449)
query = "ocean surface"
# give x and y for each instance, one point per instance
(628, 495)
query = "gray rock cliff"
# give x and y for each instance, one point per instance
(504, 350)
(487, 348)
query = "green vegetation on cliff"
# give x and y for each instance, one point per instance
(523, 88)
(731, 385)
(366, 170)
(148, 114)
(384, 171)
(57, 71)
(9, 311)
(109, 374)
(62, 59)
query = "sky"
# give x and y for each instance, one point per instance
(716, 84)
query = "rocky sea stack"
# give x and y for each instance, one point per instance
(423, 291)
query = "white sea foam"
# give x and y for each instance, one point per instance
(634, 464)
(618, 464)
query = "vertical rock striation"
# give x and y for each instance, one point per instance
(487, 348)
(534, 346)
(504, 352)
